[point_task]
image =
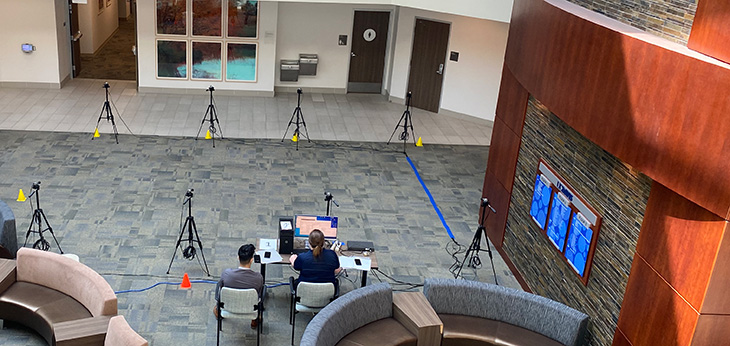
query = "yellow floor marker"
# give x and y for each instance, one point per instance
(21, 196)
(207, 135)
(96, 133)
(419, 143)
(295, 138)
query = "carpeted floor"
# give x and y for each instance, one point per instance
(118, 207)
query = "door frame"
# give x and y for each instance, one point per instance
(388, 58)
(446, 56)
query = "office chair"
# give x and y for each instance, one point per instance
(309, 297)
(240, 304)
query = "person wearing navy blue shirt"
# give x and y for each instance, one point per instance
(318, 264)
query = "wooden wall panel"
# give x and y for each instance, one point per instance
(503, 152)
(499, 198)
(712, 330)
(652, 312)
(619, 339)
(711, 29)
(680, 240)
(717, 297)
(659, 110)
(512, 102)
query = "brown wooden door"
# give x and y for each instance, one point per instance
(75, 32)
(428, 63)
(367, 57)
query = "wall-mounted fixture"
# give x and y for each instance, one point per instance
(27, 48)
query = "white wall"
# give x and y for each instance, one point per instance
(314, 28)
(470, 85)
(29, 21)
(499, 10)
(97, 26)
(268, 14)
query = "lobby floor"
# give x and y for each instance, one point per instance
(118, 206)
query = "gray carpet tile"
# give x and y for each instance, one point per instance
(118, 207)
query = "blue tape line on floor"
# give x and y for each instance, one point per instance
(192, 282)
(433, 202)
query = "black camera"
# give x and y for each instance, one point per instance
(36, 185)
(106, 85)
(189, 193)
(327, 196)
(299, 91)
(210, 88)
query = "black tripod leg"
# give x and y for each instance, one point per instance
(101, 114)
(291, 121)
(200, 245)
(179, 239)
(396, 127)
(215, 117)
(50, 229)
(205, 117)
(110, 115)
(30, 227)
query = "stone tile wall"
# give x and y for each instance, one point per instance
(617, 192)
(671, 19)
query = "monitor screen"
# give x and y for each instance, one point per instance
(304, 224)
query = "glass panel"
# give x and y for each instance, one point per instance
(207, 60)
(171, 59)
(207, 17)
(241, 62)
(243, 18)
(171, 17)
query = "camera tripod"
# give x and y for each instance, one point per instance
(299, 121)
(41, 243)
(211, 116)
(329, 199)
(189, 252)
(106, 108)
(407, 123)
(472, 254)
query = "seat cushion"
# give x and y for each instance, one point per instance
(382, 332)
(468, 330)
(475, 331)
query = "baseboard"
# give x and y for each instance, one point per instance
(310, 90)
(199, 91)
(452, 114)
(31, 85)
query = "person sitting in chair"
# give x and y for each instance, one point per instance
(242, 277)
(318, 264)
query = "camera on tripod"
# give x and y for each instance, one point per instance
(299, 91)
(210, 88)
(189, 193)
(327, 196)
(106, 85)
(36, 186)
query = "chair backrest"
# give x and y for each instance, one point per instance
(315, 295)
(239, 301)
(478, 299)
(347, 313)
(119, 333)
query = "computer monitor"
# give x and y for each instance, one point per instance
(305, 224)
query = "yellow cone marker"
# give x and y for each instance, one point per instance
(21, 196)
(295, 138)
(207, 135)
(419, 143)
(96, 133)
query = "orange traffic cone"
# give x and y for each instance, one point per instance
(186, 282)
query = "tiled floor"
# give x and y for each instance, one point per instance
(118, 206)
(351, 117)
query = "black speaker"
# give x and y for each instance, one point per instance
(286, 236)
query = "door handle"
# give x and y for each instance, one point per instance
(77, 36)
(352, 54)
(441, 69)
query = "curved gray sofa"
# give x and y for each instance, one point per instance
(360, 317)
(8, 235)
(476, 313)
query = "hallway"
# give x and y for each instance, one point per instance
(115, 59)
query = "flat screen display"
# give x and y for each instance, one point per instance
(305, 224)
(540, 201)
(559, 219)
(579, 243)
